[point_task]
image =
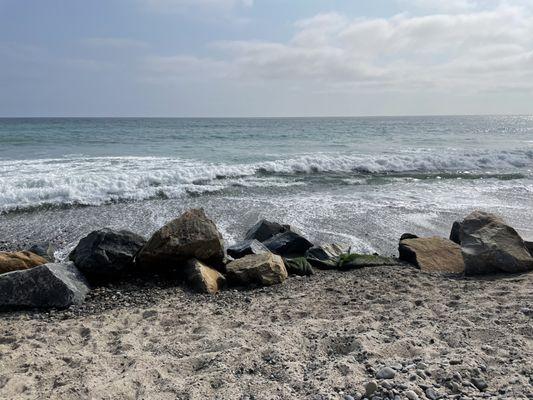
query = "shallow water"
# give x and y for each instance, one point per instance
(360, 181)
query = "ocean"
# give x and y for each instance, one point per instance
(357, 181)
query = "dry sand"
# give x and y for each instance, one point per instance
(322, 337)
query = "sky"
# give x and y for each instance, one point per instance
(240, 58)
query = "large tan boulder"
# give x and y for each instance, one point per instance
(204, 279)
(19, 260)
(432, 254)
(257, 269)
(192, 235)
(490, 245)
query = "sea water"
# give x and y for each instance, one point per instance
(358, 181)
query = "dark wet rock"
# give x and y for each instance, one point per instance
(432, 254)
(245, 248)
(325, 256)
(529, 247)
(204, 279)
(489, 245)
(298, 266)
(264, 230)
(408, 236)
(355, 261)
(257, 269)
(479, 383)
(45, 250)
(106, 253)
(192, 235)
(19, 260)
(288, 244)
(46, 286)
(455, 233)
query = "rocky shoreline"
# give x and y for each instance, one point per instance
(342, 325)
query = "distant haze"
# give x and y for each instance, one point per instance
(265, 57)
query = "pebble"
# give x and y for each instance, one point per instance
(431, 394)
(411, 395)
(370, 388)
(386, 373)
(479, 383)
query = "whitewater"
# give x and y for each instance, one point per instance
(360, 181)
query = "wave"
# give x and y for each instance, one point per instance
(28, 184)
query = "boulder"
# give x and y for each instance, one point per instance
(19, 260)
(455, 233)
(106, 253)
(204, 279)
(45, 249)
(46, 286)
(433, 254)
(264, 230)
(192, 235)
(298, 266)
(242, 249)
(288, 244)
(355, 261)
(489, 245)
(325, 256)
(529, 247)
(408, 236)
(257, 269)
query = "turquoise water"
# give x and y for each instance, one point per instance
(337, 178)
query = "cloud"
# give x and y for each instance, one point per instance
(475, 50)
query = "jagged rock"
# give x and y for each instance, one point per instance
(455, 233)
(106, 253)
(45, 250)
(433, 254)
(257, 269)
(204, 279)
(298, 266)
(264, 230)
(325, 256)
(192, 235)
(242, 249)
(46, 286)
(288, 244)
(19, 260)
(355, 261)
(490, 245)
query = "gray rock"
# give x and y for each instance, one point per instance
(489, 245)
(106, 253)
(370, 388)
(288, 244)
(529, 246)
(192, 235)
(264, 230)
(46, 286)
(245, 248)
(431, 394)
(386, 373)
(411, 395)
(479, 383)
(45, 250)
(325, 256)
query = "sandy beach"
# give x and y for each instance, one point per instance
(319, 337)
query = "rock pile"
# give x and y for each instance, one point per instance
(191, 249)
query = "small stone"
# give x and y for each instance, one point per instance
(370, 388)
(348, 397)
(411, 395)
(386, 373)
(479, 383)
(431, 394)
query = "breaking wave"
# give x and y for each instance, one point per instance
(71, 181)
